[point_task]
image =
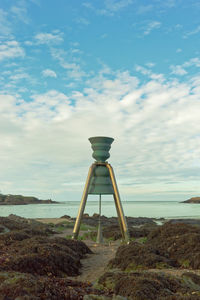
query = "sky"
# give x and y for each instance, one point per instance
(127, 69)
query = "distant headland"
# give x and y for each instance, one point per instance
(192, 200)
(22, 200)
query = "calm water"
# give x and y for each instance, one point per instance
(154, 209)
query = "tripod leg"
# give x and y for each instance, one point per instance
(121, 217)
(82, 204)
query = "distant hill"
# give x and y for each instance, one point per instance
(192, 200)
(21, 200)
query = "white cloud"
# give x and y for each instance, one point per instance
(178, 70)
(49, 73)
(5, 25)
(19, 76)
(11, 49)
(181, 69)
(195, 61)
(110, 7)
(178, 50)
(149, 73)
(115, 5)
(151, 26)
(150, 65)
(73, 70)
(20, 12)
(193, 32)
(82, 21)
(170, 3)
(143, 9)
(155, 125)
(49, 38)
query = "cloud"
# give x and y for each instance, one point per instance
(178, 70)
(73, 70)
(20, 12)
(49, 73)
(170, 3)
(195, 61)
(19, 76)
(5, 25)
(48, 38)
(155, 124)
(149, 73)
(181, 69)
(82, 21)
(110, 7)
(150, 65)
(143, 9)
(115, 5)
(151, 26)
(193, 32)
(11, 49)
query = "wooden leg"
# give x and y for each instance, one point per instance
(121, 217)
(82, 204)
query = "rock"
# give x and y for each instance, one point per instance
(66, 217)
(41, 255)
(192, 200)
(15, 285)
(22, 200)
(13, 222)
(168, 246)
(195, 222)
(150, 286)
(105, 221)
(113, 231)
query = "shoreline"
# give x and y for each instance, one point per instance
(153, 210)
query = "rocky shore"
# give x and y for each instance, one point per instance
(192, 200)
(39, 260)
(22, 200)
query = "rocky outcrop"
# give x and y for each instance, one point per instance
(22, 200)
(106, 221)
(35, 265)
(163, 266)
(192, 200)
(168, 246)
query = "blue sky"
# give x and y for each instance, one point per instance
(128, 69)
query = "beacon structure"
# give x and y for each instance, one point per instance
(101, 181)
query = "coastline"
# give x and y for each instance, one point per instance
(156, 210)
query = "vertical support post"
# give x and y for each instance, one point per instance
(82, 204)
(100, 206)
(121, 217)
(99, 233)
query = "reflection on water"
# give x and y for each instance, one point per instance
(154, 209)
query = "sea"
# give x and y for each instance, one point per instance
(151, 209)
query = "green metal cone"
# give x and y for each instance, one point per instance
(100, 182)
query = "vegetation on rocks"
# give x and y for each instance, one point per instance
(35, 265)
(152, 286)
(168, 246)
(192, 200)
(21, 286)
(21, 200)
